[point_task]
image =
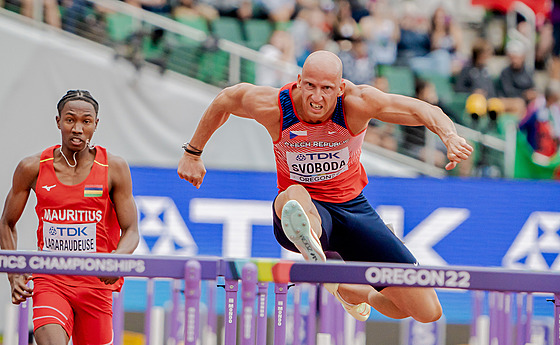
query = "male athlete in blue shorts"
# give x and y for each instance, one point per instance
(317, 125)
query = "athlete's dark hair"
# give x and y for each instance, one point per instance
(77, 95)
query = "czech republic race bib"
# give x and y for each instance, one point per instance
(317, 166)
(69, 237)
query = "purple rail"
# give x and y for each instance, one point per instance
(282, 272)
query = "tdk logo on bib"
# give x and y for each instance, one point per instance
(317, 166)
(69, 237)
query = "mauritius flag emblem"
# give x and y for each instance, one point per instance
(300, 135)
(93, 190)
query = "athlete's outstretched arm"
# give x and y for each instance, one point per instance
(125, 208)
(243, 100)
(403, 110)
(24, 176)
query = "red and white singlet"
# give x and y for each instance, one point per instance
(79, 219)
(323, 157)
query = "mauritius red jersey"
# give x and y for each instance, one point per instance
(322, 157)
(79, 219)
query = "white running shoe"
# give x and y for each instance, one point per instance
(359, 312)
(297, 228)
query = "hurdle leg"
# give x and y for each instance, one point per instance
(493, 314)
(501, 324)
(118, 318)
(529, 318)
(478, 298)
(148, 313)
(262, 316)
(23, 337)
(556, 319)
(507, 316)
(311, 326)
(338, 327)
(192, 301)
(360, 337)
(230, 315)
(297, 314)
(281, 297)
(326, 315)
(520, 336)
(210, 332)
(248, 293)
(174, 322)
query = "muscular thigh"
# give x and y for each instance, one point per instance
(51, 306)
(359, 234)
(93, 317)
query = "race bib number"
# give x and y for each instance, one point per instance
(317, 166)
(69, 237)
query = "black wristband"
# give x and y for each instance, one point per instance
(195, 152)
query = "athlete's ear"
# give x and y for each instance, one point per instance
(342, 88)
(57, 118)
(298, 81)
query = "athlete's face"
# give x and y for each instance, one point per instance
(320, 85)
(77, 123)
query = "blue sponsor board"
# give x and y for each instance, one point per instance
(473, 222)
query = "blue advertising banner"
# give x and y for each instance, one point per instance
(473, 222)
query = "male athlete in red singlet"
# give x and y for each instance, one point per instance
(317, 125)
(84, 205)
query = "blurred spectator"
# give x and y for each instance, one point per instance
(515, 81)
(310, 30)
(381, 32)
(194, 8)
(345, 27)
(358, 64)
(414, 39)
(279, 11)
(379, 133)
(474, 77)
(447, 36)
(542, 122)
(51, 11)
(84, 18)
(545, 44)
(555, 20)
(241, 9)
(280, 47)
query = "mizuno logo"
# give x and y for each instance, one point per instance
(48, 188)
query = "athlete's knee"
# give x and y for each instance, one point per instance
(51, 334)
(293, 192)
(430, 312)
(296, 191)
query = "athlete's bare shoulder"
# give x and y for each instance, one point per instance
(117, 164)
(254, 102)
(362, 102)
(27, 171)
(255, 98)
(119, 172)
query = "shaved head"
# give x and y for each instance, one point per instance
(325, 62)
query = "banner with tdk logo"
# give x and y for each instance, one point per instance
(472, 222)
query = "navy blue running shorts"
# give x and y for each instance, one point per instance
(355, 231)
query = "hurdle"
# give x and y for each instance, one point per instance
(280, 272)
